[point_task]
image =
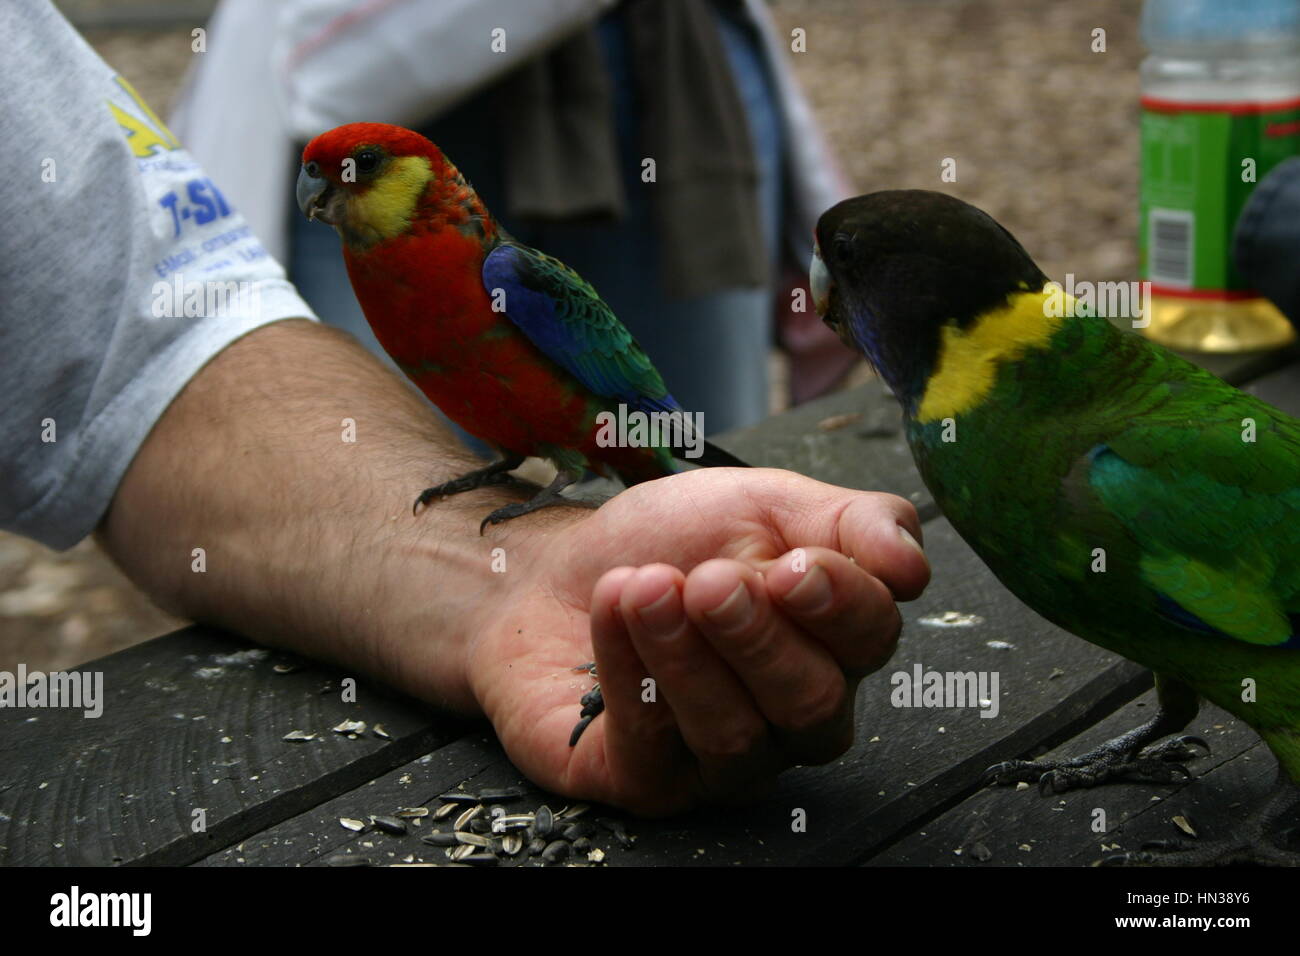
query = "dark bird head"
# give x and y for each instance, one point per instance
(890, 269)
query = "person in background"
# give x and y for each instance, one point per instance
(551, 111)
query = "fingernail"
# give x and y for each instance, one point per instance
(907, 536)
(664, 614)
(812, 593)
(734, 612)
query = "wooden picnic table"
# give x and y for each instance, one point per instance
(196, 720)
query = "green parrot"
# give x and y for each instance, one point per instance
(1123, 493)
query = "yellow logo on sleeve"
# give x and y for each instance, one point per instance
(148, 136)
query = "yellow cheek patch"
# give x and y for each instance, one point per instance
(384, 210)
(968, 360)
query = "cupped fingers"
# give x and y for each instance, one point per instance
(713, 711)
(836, 601)
(797, 684)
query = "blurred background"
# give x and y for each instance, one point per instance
(1044, 133)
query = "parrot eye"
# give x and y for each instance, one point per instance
(367, 161)
(843, 248)
(313, 169)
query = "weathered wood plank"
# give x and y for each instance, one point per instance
(1003, 826)
(192, 721)
(902, 768)
(853, 439)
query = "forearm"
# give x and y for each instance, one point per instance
(307, 539)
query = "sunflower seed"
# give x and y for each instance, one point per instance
(472, 839)
(576, 831)
(480, 859)
(388, 824)
(351, 824)
(501, 794)
(480, 825)
(411, 813)
(347, 859)
(581, 845)
(438, 838)
(459, 796)
(298, 735)
(556, 851)
(350, 727)
(543, 821)
(536, 847)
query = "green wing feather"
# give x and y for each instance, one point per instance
(1216, 516)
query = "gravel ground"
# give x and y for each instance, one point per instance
(1043, 132)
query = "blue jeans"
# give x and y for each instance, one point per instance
(712, 350)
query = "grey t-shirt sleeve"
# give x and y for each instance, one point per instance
(123, 270)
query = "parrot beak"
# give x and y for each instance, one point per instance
(313, 194)
(819, 280)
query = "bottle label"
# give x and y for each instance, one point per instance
(1200, 162)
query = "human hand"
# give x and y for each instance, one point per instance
(693, 581)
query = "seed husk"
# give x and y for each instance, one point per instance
(446, 810)
(350, 823)
(511, 844)
(350, 727)
(297, 736)
(518, 821)
(573, 812)
(472, 839)
(461, 852)
(379, 731)
(463, 821)
(412, 813)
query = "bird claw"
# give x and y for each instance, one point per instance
(593, 705)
